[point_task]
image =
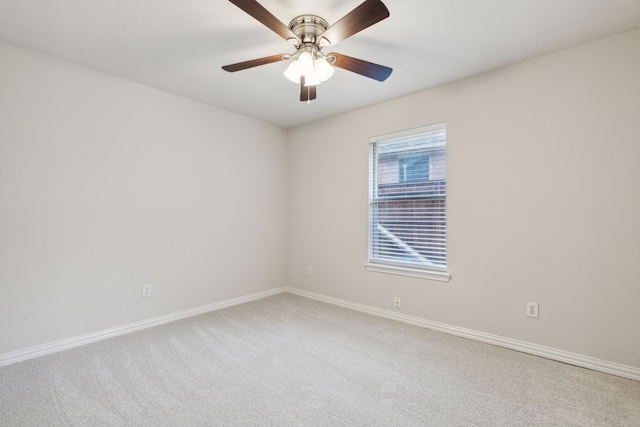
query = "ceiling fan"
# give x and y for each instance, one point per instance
(310, 34)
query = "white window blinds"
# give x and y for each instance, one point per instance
(407, 199)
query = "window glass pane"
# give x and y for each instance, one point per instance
(407, 210)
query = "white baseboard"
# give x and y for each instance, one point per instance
(613, 368)
(53, 347)
(525, 347)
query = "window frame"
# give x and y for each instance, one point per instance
(389, 266)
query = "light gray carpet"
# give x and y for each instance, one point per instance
(292, 361)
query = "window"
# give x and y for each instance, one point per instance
(407, 201)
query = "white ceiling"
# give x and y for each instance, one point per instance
(179, 45)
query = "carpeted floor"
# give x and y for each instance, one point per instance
(293, 361)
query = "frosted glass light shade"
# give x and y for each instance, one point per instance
(314, 71)
(305, 62)
(311, 80)
(323, 70)
(293, 72)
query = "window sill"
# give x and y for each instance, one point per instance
(440, 276)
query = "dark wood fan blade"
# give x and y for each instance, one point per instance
(364, 68)
(253, 63)
(261, 14)
(307, 93)
(363, 16)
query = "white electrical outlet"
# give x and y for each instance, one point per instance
(146, 291)
(532, 309)
(397, 302)
(309, 270)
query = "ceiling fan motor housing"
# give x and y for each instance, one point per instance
(308, 28)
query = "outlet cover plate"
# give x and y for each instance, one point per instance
(532, 309)
(146, 291)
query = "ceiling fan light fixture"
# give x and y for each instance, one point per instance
(315, 69)
(312, 80)
(293, 72)
(305, 62)
(323, 70)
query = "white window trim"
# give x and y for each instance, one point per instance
(407, 132)
(440, 276)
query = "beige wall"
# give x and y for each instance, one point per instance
(543, 202)
(106, 185)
